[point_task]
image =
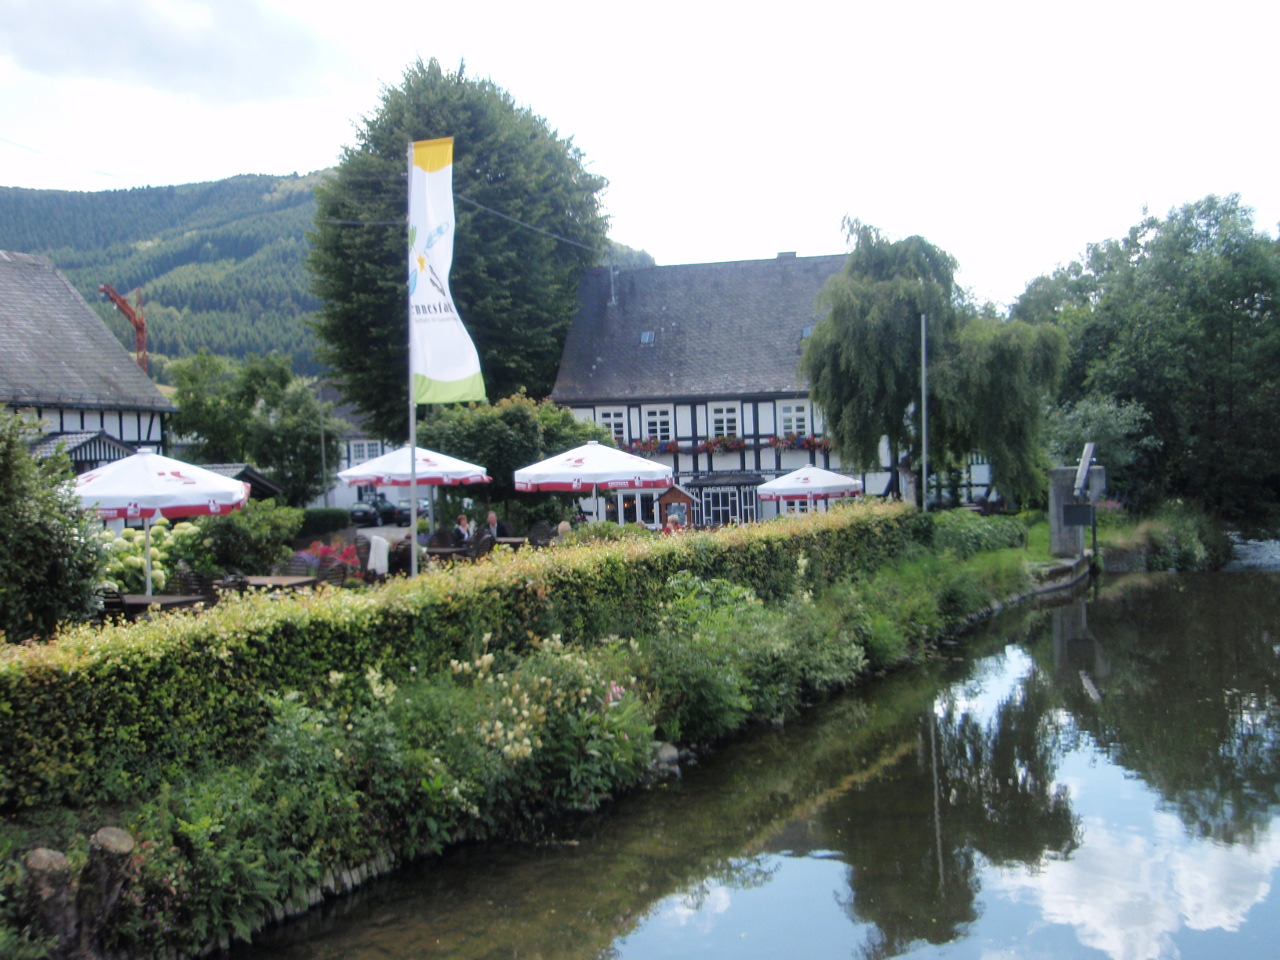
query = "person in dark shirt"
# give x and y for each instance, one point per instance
(462, 531)
(497, 528)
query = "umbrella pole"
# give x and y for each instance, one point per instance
(146, 526)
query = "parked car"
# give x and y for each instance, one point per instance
(373, 513)
(404, 510)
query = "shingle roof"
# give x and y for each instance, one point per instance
(718, 330)
(55, 351)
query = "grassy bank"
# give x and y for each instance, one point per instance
(367, 767)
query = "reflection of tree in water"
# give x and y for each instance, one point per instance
(1191, 705)
(972, 788)
(738, 873)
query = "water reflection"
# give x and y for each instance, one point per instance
(1095, 779)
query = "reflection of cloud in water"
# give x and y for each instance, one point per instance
(1127, 895)
(998, 678)
(697, 911)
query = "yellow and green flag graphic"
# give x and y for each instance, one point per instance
(443, 364)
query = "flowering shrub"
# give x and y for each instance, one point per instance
(723, 444)
(798, 441)
(652, 445)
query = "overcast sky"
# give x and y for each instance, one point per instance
(1009, 134)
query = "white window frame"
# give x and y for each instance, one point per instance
(659, 423)
(723, 419)
(794, 417)
(615, 418)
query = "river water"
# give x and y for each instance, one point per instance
(1095, 778)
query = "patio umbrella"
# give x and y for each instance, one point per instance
(809, 483)
(590, 468)
(147, 484)
(424, 468)
(396, 468)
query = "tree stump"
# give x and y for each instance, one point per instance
(100, 883)
(49, 892)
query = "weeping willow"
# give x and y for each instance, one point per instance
(989, 378)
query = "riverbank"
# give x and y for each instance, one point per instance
(376, 768)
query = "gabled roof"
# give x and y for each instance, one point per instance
(82, 445)
(56, 352)
(692, 331)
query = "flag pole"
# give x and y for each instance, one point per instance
(413, 419)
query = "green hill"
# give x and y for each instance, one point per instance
(220, 264)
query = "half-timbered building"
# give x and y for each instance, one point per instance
(696, 365)
(60, 363)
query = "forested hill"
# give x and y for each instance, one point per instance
(220, 264)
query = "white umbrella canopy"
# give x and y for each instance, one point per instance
(146, 484)
(809, 483)
(396, 468)
(593, 466)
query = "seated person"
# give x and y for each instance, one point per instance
(462, 531)
(497, 528)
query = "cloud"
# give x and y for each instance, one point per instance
(217, 51)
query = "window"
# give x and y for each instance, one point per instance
(724, 421)
(794, 418)
(646, 338)
(357, 452)
(657, 423)
(616, 421)
(721, 505)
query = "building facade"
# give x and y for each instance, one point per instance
(60, 363)
(696, 365)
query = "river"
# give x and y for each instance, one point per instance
(1094, 778)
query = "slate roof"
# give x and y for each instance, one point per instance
(719, 330)
(56, 352)
(81, 445)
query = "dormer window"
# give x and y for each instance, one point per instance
(646, 338)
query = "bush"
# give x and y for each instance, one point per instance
(190, 685)
(317, 521)
(50, 555)
(965, 533)
(253, 539)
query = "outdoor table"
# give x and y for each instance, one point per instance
(515, 543)
(281, 582)
(445, 552)
(138, 603)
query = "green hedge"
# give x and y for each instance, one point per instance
(101, 713)
(317, 521)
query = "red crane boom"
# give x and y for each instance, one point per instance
(135, 317)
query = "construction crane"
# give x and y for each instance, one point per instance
(135, 317)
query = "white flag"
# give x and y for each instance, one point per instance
(443, 365)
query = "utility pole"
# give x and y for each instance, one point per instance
(924, 412)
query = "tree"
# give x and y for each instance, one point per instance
(218, 398)
(508, 435)
(989, 379)
(258, 411)
(50, 558)
(528, 223)
(285, 440)
(1184, 323)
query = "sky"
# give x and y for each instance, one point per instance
(1011, 135)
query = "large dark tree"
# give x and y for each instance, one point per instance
(988, 378)
(1180, 321)
(528, 223)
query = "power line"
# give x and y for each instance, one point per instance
(465, 199)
